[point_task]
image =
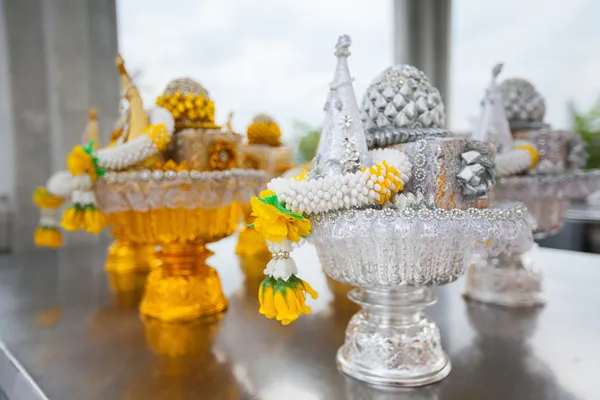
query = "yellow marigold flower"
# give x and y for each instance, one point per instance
(222, 155)
(72, 219)
(159, 135)
(284, 300)
(266, 193)
(93, 220)
(535, 157)
(301, 177)
(385, 181)
(44, 199)
(275, 222)
(48, 237)
(81, 162)
(264, 130)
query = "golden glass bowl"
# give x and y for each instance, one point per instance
(180, 213)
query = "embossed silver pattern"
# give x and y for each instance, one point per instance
(387, 248)
(523, 105)
(391, 342)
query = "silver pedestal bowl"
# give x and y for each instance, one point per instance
(392, 257)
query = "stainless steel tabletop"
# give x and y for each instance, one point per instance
(78, 340)
(583, 212)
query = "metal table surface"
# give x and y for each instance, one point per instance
(78, 340)
(582, 212)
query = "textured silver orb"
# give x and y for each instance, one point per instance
(401, 97)
(186, 86)
(524, 106)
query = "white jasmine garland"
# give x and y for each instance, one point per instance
(350, 190)
(512, 162)
(61, 184)
(87, 197)
(82, 181)
(395, 158)
(160, 115)
(281, 266)
(128, 154)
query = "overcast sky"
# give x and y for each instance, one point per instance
(276, 57)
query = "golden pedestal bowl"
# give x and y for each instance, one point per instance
(180, 212)
(125, 256)
(250, 243)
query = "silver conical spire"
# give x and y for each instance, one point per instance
(342, 147)
(493, 126)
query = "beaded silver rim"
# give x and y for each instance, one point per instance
(146, 175)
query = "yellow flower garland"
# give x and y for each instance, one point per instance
(264, 132)
(276, 223)
(386, 180)
(535, 157)
(195, 108)
(48, 237)
(159, 135)
(81, 162)
(44, 199)
(284, 300)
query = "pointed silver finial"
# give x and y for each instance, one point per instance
(342, 147)
(342, 48)
(493, 125)
(496, 70)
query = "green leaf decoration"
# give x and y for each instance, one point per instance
(89, 148)
(274, 201)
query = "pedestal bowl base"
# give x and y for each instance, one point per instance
(184, 288)
(126, 257)
(251, 243)
(390, 342)
(510, 281)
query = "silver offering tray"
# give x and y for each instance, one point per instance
(392, 256)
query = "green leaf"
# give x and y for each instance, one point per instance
(274, 201)
(89, 148)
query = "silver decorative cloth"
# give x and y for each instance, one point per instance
(493, 126)
(145, 190)
(388, 248)
(523, 105)
(342, 146)
(477, 177)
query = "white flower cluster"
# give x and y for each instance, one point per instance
(325, 194)
(82, 194)
(125, 155)
(512, 162)
(60, 184)
(394, 158)
(49, 218)
(281, 266)
(160, 115)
